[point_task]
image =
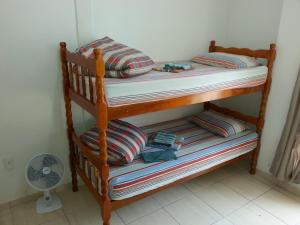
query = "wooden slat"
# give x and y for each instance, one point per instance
(96, 177)
(83, 76)
(146, 107)
(86, 152)
(89, 170)
(77, 82)
(83, 102)
(235, 114)
(79, 59)
(71, 78)
(90, 186)
(91, 87)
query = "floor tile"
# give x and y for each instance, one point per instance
(253, 215)
(156, 218)
(79, 202)
(246, 185)
(6, 219)
(171, 195)
(210, 178)
(220, 197)
(25, 214)
(138, 209)
(223, 222)
(192, 211)
(281, 206)
(81, 208)
(83, 219)
(58, 221)
(4, 209)
(240, 166)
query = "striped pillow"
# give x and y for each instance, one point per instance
(231, 61)
(218, 123)
(120, 60)
(124, 141)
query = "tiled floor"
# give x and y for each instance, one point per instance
(227, 197)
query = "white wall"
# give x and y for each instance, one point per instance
(285, 73)
(253, 24)
(165, 30)
(32, 114)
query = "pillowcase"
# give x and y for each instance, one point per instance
(120, 60)
(218, 123)
(231, 61)
(124, 141)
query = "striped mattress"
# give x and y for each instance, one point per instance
(156, 85)
(201, 150)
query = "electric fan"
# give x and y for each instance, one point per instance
(44, 172)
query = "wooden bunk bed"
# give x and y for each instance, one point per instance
(94, 169)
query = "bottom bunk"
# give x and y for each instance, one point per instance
(201, 151)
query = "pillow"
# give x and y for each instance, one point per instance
(218, 123)
(124, 141)
(231, 61)
(120, 60)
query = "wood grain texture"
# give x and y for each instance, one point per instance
(102, 122)
(146, 107)
(69, 120)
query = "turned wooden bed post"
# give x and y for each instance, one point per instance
(70, 129)
(263, 107)
(102, 121)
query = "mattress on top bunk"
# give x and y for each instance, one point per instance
(156, 85)
(201, 150)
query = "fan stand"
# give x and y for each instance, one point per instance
(48, 203)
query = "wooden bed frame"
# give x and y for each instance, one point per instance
(76, 67)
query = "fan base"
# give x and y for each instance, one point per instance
(48, 203)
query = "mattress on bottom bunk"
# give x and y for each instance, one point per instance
(155, 85)
(201, 150)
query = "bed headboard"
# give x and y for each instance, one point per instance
(268, 54)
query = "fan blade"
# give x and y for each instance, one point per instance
(52, 179)
(49, 161)
(33, 174)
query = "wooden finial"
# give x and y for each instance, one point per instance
(273, 46)
(212, 46)
(63, 44)
(97, 52)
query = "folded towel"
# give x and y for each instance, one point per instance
(120, 60)
(175, 147)
(158, 156)
(165, 138)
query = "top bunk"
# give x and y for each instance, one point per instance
(85, 84)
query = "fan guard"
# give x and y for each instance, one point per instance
(44, 172)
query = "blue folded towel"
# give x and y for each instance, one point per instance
(165, 138)
(158, 156)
